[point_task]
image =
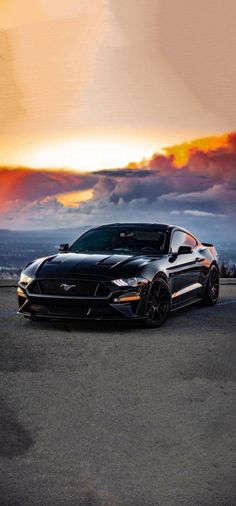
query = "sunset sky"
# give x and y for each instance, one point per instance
(93, 85)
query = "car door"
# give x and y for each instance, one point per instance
(185, 269)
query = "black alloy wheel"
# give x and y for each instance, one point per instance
(158, 303)
(212, 289)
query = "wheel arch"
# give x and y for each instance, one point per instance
(214, 262)
(161, 275)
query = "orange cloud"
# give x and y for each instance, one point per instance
(215, 155)
(182, 152)
(23, 184)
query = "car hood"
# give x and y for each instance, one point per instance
(99, 264)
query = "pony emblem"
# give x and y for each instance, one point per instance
(66, 287)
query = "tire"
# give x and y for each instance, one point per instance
(211, 293)
(158, 304)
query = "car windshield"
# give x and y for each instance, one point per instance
(122, 241)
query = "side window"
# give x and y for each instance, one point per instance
(182, 239)
(190, 241)
(177, 240)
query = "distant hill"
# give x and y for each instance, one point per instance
(17, 248)
(63, 234)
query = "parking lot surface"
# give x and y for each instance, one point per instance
(106, 414)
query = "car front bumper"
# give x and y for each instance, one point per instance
(123, 305)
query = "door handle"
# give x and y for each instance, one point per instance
(199, 259)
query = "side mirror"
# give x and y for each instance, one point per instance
(63, 248)
(184, 250)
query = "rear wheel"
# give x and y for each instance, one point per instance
(158, 304)
(212, 289)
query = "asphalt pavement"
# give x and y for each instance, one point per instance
(95, 414)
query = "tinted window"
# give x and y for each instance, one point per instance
(182, 239)
(122, 240)
(190, 241)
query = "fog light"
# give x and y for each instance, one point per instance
(127, 298)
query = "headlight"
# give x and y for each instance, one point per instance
(25, 279)
(137, 281)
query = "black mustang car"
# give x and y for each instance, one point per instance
(121, 271)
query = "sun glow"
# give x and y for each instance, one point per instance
(87, 154)
(73, 199)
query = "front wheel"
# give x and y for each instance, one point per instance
(158, 304)
(212, 289)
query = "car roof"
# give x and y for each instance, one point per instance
(137, 225)
(161, 226)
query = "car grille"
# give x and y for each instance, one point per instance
(68, 287)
